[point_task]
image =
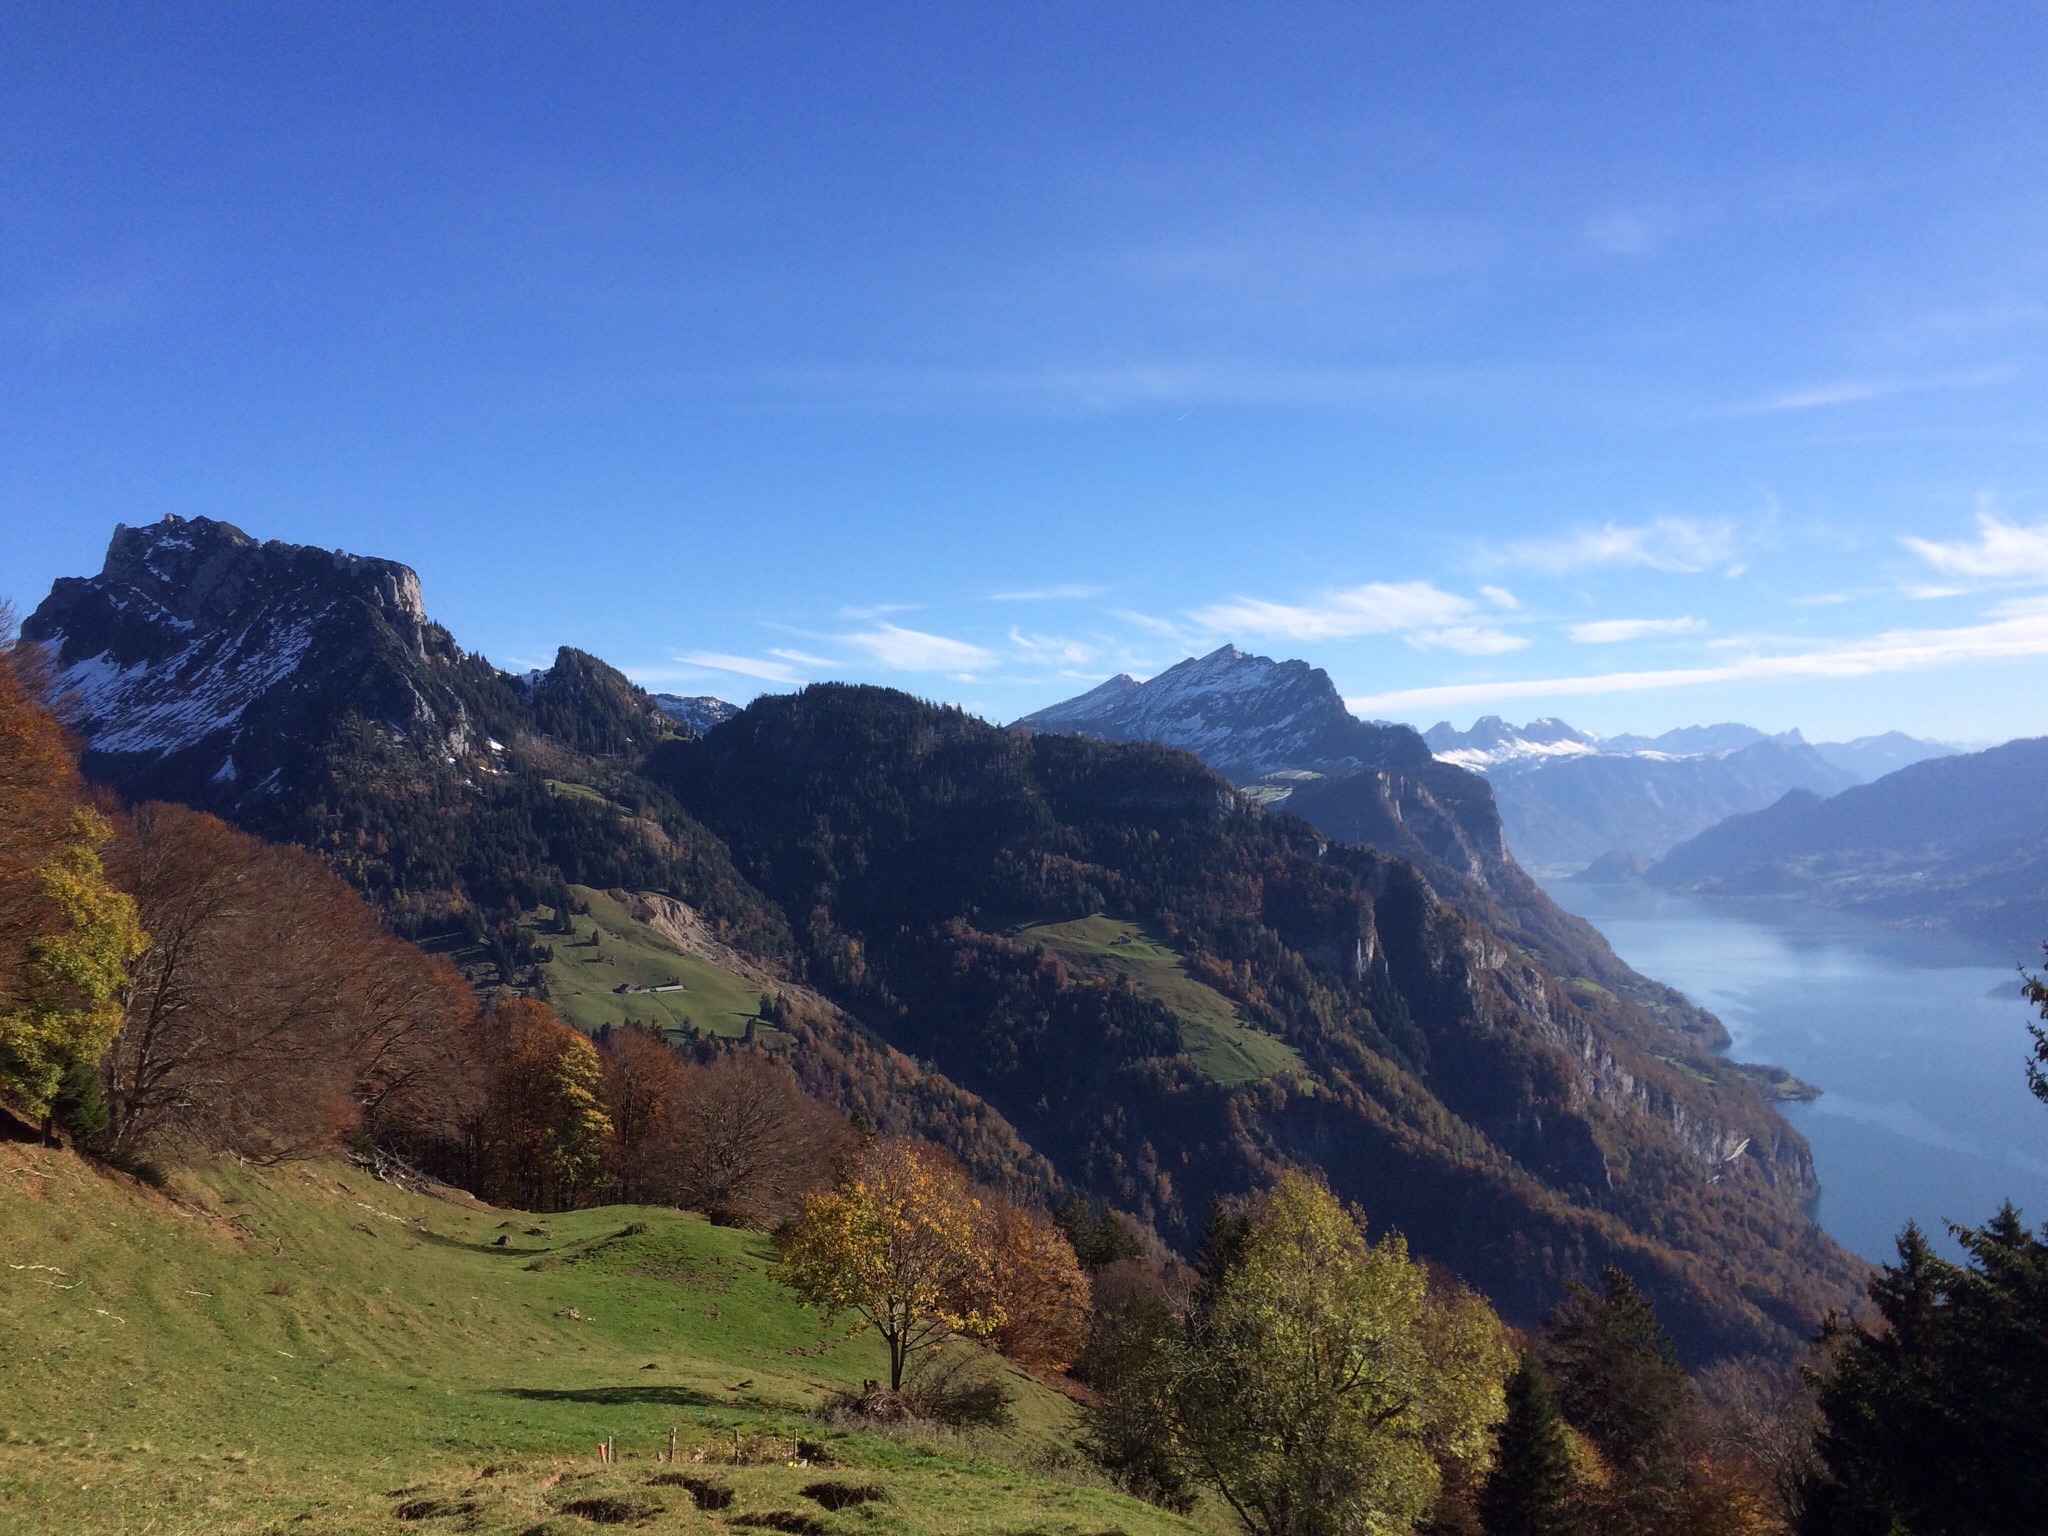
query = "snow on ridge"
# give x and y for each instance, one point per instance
(182, 699)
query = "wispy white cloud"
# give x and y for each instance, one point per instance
(877, 611)
(1073, 590)
(1611, 631)
(1854, 391)
(1053, 650)
(1631, 231)
(1377, 608)
(1184, 640)
(912, 650)
(1819, 396)
(2015, 629)
(2002, 554)
(1500, 597)
(1679, 545)
(745, 666)
(1468, 640)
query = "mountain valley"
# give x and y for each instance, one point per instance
(1085, 966)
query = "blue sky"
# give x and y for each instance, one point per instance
(1638, 364)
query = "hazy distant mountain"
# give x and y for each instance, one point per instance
(1960, 841)
(1692, 740)
(1564, 815)
(700, 712)
(1566, 797)
(1872, 757)
(1493, 743)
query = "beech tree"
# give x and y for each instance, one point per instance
(1039, 1288)
(270, 1014)
(67, 934)
(747, 1144)
(1317, 1385)
(900, 1242)
(643, 1088)
(545, 1126)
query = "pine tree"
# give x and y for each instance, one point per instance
(1529, 1489)
(1615, 1374)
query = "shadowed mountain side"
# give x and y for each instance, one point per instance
(1519, 1128)
(1282, 729)
(1959, 842)
(1405, 815)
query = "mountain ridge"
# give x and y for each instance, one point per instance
(1959, 841)
(893, 859)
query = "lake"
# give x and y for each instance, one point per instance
(1917, 1040)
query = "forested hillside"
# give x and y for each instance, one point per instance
(1516, 1127)
(1442, 1042)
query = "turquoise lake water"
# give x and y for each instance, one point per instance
(1918, 1041)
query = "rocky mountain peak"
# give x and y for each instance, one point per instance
(201, 656)
(205, 573)
(1246, 716)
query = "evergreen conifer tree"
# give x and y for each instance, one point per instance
(1529, 1489)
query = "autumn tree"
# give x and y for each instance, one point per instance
(1316, 1384)
(545, 1127)
(901, 1243)
(270, 1014)
(67, 934)
(643, 1091)
(747, 1144)
(1038, 1288)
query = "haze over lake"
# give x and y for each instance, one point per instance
(1917, 1039)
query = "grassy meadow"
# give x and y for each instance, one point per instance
(583, 980)
(305, 1349)
(1220, 1043)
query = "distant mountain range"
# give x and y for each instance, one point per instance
(1960, 841)
(1567, 798)
(1389, 999)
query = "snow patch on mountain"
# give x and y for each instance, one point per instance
(1245, 716)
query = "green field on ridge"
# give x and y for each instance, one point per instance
(583, 980)
(1220, 1043)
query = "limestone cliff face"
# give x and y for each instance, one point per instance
(1574, 1075)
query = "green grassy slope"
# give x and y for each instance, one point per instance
(307, 1350)
(583, 981)
(1222, 1045)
